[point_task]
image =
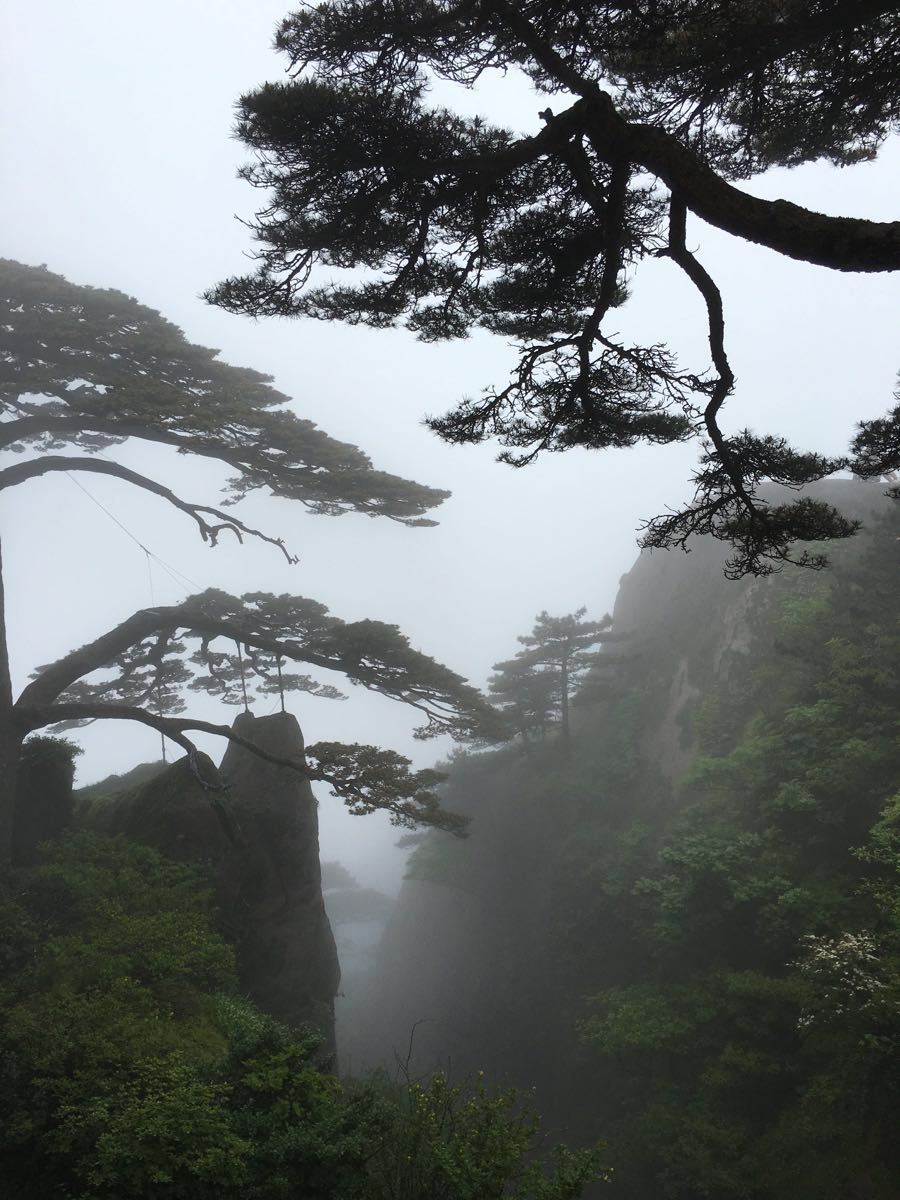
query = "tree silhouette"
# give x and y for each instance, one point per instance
(656, 111)
(535, 688)
(87, 369)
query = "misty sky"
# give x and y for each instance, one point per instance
(119, 171)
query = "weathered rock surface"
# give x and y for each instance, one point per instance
(288, 955)
(258, 840)
(468, 972)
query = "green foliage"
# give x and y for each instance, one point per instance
(108, 1024)
(157, 810)
(456, 1143)
(704, 967)
(132, 1070)
(53, 757)
(750, 1036)
(529, 699)
(368, 779)
(534, 689)
(91, 367)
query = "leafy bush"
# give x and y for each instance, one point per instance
(132, 1070)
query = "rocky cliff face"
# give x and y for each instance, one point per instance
(691, 626)
(274, 883)
(471, 967)
(258, 840)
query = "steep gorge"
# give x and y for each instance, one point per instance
(642, 928)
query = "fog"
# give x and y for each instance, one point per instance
(119, 171)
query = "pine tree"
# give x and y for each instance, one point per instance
(83, 370)
(535, 688)
(655, 111)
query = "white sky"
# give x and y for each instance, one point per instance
(118, 170)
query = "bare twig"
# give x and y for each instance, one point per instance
(19, 472)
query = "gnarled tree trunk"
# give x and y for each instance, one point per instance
(10, 741)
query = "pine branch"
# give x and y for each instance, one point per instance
(369, 653)
(20, 472)
(366, 778)
(320, 491)
(840, 243)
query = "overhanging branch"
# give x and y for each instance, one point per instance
(705, 284)
(364, 777)
(839, 243)
(726, 503)
(443, 709)
(20, 472)
(320, 490)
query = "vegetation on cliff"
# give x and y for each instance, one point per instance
(699, 902)
(751, 1034)
(534, 689)
(134, 1068)
(89, 369)
(680, 914)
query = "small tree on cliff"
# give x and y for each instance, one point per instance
(527, 697)
(655, 111)
(535, 688)
(84, 369)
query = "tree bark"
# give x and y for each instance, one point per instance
(10, 753)
(564, 699)
(10, 741)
